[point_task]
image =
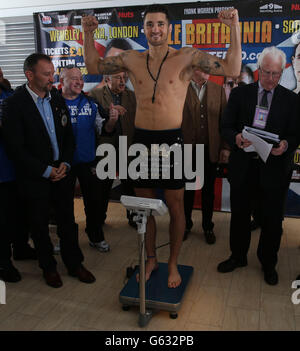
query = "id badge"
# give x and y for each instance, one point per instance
(260, 117)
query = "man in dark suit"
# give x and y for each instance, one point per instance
(249, 177)
(39, 139)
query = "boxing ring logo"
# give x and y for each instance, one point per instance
(155, 163)
(296, 294)
(2, 293)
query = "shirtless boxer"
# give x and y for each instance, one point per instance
(161, 76)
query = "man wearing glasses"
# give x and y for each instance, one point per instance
(115, 94)
(252, 179)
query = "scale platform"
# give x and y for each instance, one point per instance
(158, 295)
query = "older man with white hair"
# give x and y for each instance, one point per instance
(268, 106)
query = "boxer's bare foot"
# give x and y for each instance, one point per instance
(174, 278)
(151, 265)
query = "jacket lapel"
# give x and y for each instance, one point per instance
(252, 102)
(57, 118)
(35, 113)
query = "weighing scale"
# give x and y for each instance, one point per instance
(153, 294)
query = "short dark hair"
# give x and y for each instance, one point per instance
(118, 43)
(32, 60)
(157, 8)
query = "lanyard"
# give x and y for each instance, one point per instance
(158, 73)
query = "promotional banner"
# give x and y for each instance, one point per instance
(262, 23)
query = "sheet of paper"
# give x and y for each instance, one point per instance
(258, 144)
(263, 134)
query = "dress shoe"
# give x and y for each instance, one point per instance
(210, 237)
(271, 276)
(82, 274)
(52, 279)
(230, 265)
(186, 233)
(254, 225)
(24, 253)
(10, 274)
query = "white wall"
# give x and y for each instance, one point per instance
(11, 8)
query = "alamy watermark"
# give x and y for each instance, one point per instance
(138, 162)
(2, 293)
(296, 294)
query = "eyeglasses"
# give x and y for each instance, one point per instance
(120, 78)
(275, 75)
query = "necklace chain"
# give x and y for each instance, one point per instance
(158, 73)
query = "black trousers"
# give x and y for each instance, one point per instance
(126, 189)
(270, 202)
(92, 192)
(13, 222)
(40, 195)
(256, 213)
(8, 196)
(207, 193)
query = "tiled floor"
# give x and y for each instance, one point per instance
(240, 300)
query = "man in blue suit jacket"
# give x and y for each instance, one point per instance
(268, 106)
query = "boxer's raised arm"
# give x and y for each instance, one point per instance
(231, 65)
(93, 62)
(91, 56)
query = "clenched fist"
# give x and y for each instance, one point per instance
(229, 17)
(89, 23)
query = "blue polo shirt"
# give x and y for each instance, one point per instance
(7, 171)
(86, 121)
